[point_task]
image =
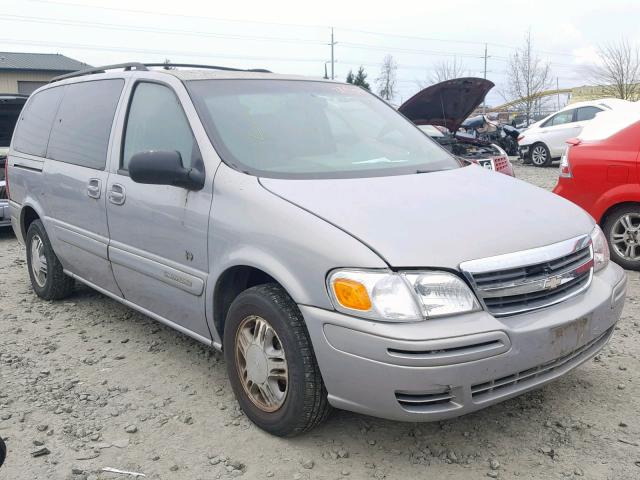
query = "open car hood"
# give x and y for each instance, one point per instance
(446, 103)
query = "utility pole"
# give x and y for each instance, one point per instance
(332, 58)
(558, 92)
(484, 103)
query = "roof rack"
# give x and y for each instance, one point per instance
(212, 67)
(88, 71)
(143, 67)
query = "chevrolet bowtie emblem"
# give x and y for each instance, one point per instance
(551, 283)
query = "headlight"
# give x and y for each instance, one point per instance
(600, 249)
(399, 297)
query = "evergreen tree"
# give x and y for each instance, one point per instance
(361, 79)
(350, 77)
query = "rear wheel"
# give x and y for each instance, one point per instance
(45, 270)
(271, 364)
(540, 155)
(622, 229)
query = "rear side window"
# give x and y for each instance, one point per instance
(156, 121)
(587, 113)
(560, 118)
(34, 126)
(81, 129)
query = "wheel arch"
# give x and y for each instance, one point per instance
(231, 283)
(626, 194)
(28, 215)
(605, 215)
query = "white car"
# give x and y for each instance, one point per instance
(545, 141)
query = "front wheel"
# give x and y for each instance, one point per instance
(540, 155)
(271, 364)
(622, 229)
(45, 270)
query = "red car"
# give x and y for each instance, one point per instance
(599, 172)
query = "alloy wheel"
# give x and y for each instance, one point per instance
(38, 261)
(539, 155)
(625, 236)
(261, 363)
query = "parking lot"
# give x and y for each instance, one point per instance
(87, 383)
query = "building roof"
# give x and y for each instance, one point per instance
(53, 62)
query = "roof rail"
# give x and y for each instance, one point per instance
(212, 67)
(89, 71)
(143, 67)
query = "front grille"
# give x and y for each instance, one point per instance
(534, 284)
(525, 378)
(3, 192)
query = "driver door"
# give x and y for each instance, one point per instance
(158, 233)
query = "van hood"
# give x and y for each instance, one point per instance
(446, 103)
(438, 219)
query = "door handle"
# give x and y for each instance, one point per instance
(117, 194)
(94, 188)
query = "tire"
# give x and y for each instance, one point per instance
(54, 284)
(540, 155)
(299, 398)
(622, 240)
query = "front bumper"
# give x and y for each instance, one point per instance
(523, 151)
(5, 217)
(447, 367)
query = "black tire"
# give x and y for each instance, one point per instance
(611, 226)
(305, 404)
(540, 155)
(56, 285)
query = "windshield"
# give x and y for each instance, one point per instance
(308, 129)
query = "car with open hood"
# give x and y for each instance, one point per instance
(334, 253)
(447, 105)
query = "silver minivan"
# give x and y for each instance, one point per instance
(336, 254)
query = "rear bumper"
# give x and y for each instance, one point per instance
(5, 217)
(448, 367)
(14, 218)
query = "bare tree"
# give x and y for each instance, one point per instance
(528, 76)
(618, 73)
(386, 82)
(444, 70)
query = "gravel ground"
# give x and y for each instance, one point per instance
(87, 383)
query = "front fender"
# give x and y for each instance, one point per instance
(253, 227)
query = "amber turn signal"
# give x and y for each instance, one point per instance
(351, 294)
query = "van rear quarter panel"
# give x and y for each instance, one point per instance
(26, 186)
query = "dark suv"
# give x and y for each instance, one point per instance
(10, 107)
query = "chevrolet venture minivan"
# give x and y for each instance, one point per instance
(334, 252)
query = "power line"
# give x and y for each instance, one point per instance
(134, 28)
(173, 15)
(155, 52)
(297, 25)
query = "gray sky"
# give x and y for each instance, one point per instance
(293, 36)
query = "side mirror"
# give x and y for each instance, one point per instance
(159, 167)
